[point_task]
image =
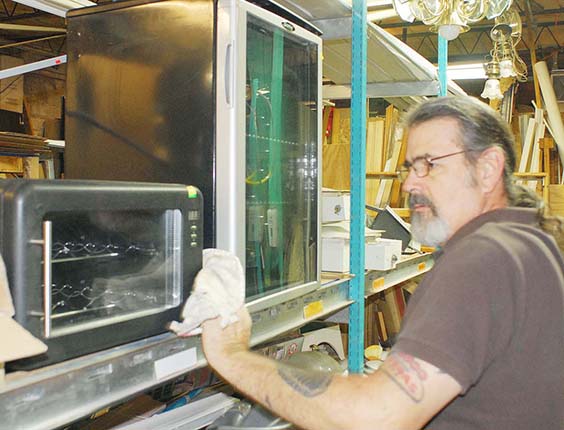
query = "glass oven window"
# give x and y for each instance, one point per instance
(281, 159)
(111, 266)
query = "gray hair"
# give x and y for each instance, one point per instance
(480, 127)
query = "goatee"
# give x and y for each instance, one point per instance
(427, 230)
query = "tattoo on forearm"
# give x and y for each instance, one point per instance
(404, 370)
(309, 384)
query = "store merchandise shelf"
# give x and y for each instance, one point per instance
(376, 281)
(53, 396)
(407, 268)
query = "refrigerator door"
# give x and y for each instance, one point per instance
(276, 96)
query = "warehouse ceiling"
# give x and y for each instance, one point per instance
(34, 34)
(543, 27)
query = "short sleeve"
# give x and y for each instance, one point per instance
(461, 315)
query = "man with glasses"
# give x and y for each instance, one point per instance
(482, 341)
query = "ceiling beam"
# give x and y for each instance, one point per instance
(32, 28)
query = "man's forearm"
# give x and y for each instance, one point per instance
(403, 394)
(321, 401)
(288, 391)
(314, 400)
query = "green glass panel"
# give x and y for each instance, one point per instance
(281, 163)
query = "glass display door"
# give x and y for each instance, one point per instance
(281, 175)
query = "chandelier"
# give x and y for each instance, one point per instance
(450, 17)
(504, 61)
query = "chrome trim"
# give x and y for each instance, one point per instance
(281, 297)
(47, 277)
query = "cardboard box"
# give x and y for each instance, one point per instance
(380, 254)
(11, 89)
(11, 165)
(336, 206)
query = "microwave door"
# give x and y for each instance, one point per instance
(110, 266)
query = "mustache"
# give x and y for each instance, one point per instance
(419, 199)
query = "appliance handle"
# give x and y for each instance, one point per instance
(227, 77)
(47, 276)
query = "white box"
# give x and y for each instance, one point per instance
(380, 254)
(336, 206)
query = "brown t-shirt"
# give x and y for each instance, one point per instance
(491, 315)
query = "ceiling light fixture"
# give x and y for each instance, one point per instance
(492, 89)
(504, 62)
(506, 34)
(449, 18)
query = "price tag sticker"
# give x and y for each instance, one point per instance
(312, 309)
(421, 266)
(378, 283)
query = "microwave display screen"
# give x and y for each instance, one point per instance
(111, 266)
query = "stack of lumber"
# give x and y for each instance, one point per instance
(20, 155)
(22, 144)
(385, 152)
(337, 149)
(394, 147)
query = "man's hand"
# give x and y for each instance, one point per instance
(221, 345)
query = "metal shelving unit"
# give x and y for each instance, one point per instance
(376, 281)
(56, 395)
(408, 268)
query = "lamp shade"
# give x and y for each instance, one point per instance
(449, 31)
(492, 90)
(506, 68)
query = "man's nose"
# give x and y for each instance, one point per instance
(410, 182)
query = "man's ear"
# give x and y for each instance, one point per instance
(490, 168)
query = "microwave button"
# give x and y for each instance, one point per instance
(193, 236)
(193, 244)
(193, 227)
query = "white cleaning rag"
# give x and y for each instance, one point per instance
(219, 290)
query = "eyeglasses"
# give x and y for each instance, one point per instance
(422, 165)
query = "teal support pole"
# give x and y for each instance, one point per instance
(358, 186)
(443, 62)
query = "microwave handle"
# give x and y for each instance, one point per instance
(47, 276)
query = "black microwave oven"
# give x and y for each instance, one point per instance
(95, 264)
